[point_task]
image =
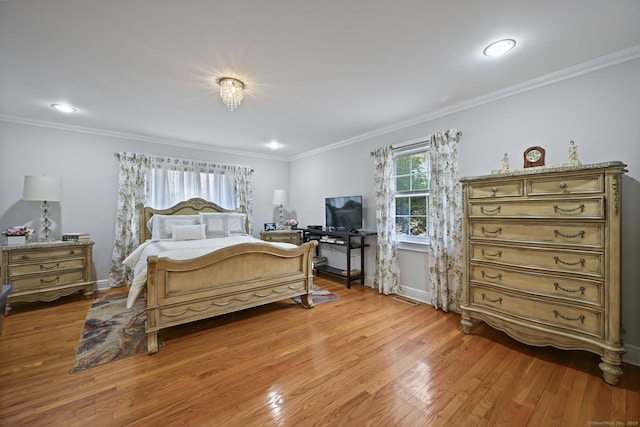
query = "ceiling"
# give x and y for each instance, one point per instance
(317, 73)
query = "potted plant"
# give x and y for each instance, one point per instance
(17, 235)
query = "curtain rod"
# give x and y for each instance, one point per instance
(414, 144)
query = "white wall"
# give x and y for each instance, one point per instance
(600, 111)
(89, 173)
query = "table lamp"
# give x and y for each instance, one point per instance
(46, 189)
(280, 197)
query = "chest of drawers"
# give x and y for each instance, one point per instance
(47, 271)
(283, 236)
(542, 258)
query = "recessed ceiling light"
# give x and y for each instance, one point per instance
(64, 108)
(500, 47)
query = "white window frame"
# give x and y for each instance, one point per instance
(412, 149)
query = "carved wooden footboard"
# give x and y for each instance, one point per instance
(224, 281)
(227, 280)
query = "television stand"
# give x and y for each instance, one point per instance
(350, 240)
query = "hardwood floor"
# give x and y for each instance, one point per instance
(362, 360)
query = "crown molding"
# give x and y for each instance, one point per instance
(597, 64)
(132, 137)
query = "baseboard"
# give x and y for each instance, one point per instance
(416, 294)
(102, 285)
(632, 355)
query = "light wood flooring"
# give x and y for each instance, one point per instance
(362, 360)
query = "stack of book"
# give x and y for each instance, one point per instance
(319, 261)
(76, 237)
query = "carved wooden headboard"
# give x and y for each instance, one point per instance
(188, 207)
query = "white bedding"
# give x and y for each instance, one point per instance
(173, 249)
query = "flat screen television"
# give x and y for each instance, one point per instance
(343, 213)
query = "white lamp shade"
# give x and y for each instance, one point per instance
(280, 197)
(43, 188)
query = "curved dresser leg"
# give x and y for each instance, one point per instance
(610, 366)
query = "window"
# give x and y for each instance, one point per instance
(412, 177)
(174, 180)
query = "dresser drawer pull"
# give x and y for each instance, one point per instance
(498, 300)
(497, 276)
(557, 208)
(558, 260)
(53, 267)
(579, 233)
(490, 211)
(46, 282)
(563, 185)
(487, 253)
(496, 231)
(494, 190)
(580, 318)
(581, 289)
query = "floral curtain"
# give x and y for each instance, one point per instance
(134, 170)
(386, 278)
(445, 222)
(244, 189)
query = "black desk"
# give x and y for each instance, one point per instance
(341, 238)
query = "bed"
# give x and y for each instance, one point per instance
(218, 269)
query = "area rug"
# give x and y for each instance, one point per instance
(319, 295)
(111, 332)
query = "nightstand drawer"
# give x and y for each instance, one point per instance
(44, 254)
(17, 270)
(286, 236)
(47, 280)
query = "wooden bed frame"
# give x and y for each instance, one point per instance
(224, 281)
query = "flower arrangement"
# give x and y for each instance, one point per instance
(18, 230)
(291, 222)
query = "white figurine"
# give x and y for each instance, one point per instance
(505, 162)
(573, 154)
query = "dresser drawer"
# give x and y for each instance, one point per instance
(47, 280)
(566, 185)
(588, 208)
(16, 270)
(561, 232)
(44, 254)
(571, 289)
(535, 310)
(590, 263)
(496, 189)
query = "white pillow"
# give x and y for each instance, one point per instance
(188, 232)
(237, 223)
(162, 225)
(215, 223)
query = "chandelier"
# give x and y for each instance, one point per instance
(231, 92)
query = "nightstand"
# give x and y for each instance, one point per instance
(47, 271)
(283, 236)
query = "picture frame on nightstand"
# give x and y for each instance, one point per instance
(269, 226)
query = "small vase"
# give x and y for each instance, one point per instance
(16, 240)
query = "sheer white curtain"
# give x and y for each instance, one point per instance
(172, 180)
(445, 222)
(386, 278)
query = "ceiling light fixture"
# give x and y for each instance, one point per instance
(64, 108)
(500, 47)
(231, 92)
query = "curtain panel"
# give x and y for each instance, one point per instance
(386, 278)
(445, 222)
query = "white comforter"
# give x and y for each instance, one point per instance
(185, 249)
